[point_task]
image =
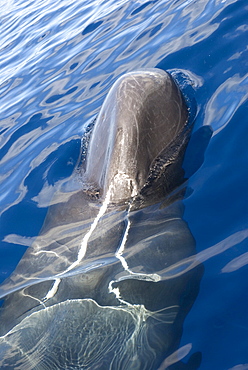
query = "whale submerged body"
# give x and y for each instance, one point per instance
(104, 285)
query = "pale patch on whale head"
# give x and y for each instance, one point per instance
(125, 184)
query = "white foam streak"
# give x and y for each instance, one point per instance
(53, 290)
(84, 244)
(83, 247)
(119, 253)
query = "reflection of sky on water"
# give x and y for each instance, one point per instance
(69, 55)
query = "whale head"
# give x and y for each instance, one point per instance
(140, 120)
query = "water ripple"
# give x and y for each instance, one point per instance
(58, 60)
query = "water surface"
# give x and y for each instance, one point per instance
(58, 60)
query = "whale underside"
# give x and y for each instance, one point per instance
(108, 282)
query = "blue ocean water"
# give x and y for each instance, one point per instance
(58, 60)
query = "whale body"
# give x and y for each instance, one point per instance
(105, 284)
